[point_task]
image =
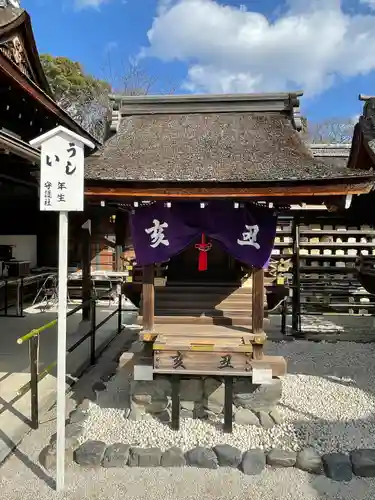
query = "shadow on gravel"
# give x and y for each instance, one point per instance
(346, 368)
(30, 464)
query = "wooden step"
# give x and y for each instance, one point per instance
(204, 303)
(212, 290)
(202, 284)
(201, 343)
(199, 311)
(203, 320)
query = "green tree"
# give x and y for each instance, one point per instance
(81, 95)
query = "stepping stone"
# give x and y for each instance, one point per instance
(77, 416)
(309, 460)
(47, 457)
(84, 405)
(174, 457)
(116, 455)
(245, 417)
(337, 466)
(72, 433)
(202, 457)
(90, 453)
(265, 420)
(281, 458)
(253, 462)
(144, 457)
(276, 416)
(227, 455)
(363, 462)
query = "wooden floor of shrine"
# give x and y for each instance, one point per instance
(273, 333)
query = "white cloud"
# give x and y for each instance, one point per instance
(233, 49)
(84, 4)
(369, 3)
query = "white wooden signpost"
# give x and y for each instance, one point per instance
(61, 190)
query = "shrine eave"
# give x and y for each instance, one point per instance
(38, 95)
(15, 21)
(256, 190)
(11, 144)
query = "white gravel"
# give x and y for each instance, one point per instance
(328, 402)
(22, 478)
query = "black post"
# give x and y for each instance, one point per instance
(228, 402)
(175, 424)
(34, 365)
(284, 312)
(6, 298)
(86, 274)
(296, 299)
(93, 332)
(21, 298)
(119, 313)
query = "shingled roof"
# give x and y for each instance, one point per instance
(226, 138)
(334, 155)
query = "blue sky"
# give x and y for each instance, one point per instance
(324, 47)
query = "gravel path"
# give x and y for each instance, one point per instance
(328, 402)
(345, 371)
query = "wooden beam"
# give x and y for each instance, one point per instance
(257, 313)
(235, 192)
(148, 298)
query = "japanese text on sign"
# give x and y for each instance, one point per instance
(62, 172)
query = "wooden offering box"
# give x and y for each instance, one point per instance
(231, 354)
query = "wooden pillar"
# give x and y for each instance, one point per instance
(120, 232)
(86, 270)
(148, 298)
(257, 313)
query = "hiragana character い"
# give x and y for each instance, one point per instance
(50, 162)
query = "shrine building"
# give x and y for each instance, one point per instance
(240, 150)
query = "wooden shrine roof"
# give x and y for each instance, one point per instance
(332, 154)
(218, 139)
(22, 78)
(17, 43)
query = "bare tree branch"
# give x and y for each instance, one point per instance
(331, 131)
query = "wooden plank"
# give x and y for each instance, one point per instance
(206, 373)
(148, 298)
(277, 363)
(235, 334)
(274, 190)
(190, 360)
(219, 347)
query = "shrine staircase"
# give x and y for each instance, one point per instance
(205, 304)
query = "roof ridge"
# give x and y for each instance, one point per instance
(282, 102)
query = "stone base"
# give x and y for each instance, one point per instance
(204, 398)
